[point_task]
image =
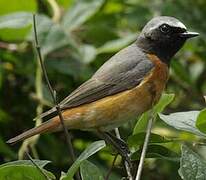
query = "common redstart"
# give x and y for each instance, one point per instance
(127, 85)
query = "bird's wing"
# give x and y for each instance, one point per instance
(123, 71)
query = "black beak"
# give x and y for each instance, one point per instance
(188, 34)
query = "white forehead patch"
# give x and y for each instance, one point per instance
(158, 21)
(181, 25)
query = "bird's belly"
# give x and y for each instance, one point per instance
(111, 111)
(122, 108)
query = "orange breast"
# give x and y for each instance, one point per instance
(158, 78)
(111, 111)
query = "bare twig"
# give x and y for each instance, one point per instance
(53, 94)
(110, 170)
(144, 149)
(36, 165)
(127, 167)
(41, 60)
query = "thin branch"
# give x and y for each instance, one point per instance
(127, 167)
(53, 94)
(41, 60)
(36, 165)
(110, 170)
(144, 149)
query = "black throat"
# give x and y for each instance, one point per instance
(164, 50)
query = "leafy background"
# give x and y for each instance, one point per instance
(77, 37)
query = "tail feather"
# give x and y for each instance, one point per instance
(44, 127)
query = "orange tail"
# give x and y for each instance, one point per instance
(44, 127)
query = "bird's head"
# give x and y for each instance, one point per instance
(164, 36)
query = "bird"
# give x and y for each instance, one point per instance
(125, 86)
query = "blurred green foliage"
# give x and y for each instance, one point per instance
(76, 37)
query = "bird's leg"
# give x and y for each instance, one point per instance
(118, 144)
(121, 143)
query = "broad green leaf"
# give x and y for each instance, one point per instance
(159, 107)
(20, 172)
(54, 39)
(89, 151)
(15, 26)
(165, 100)
(142, 122)
(116, 45)
(79, 13)
(192, 166)
(201, 121)
(183, 121)
(11, 7)
(40, 163)
(136, 140)
(16, 20)
(17, 6)
(89, 171)
(157, 151)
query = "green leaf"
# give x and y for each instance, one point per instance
(183, 121)
(142, 122)
(89, 171)
(19, 172)
(16, 20)
(55, 38)
(157, 151)
(165, 100)
(40, 163)
(14, 6)
(79, 13)
(159, 107)
(117, 44)
(15, 26)
(201, 121)
(17, 6)
(136, 140)
(192, 166)
(89, 151)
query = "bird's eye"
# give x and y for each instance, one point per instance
(165, 28)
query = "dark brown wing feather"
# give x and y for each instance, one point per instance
(123, 71)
